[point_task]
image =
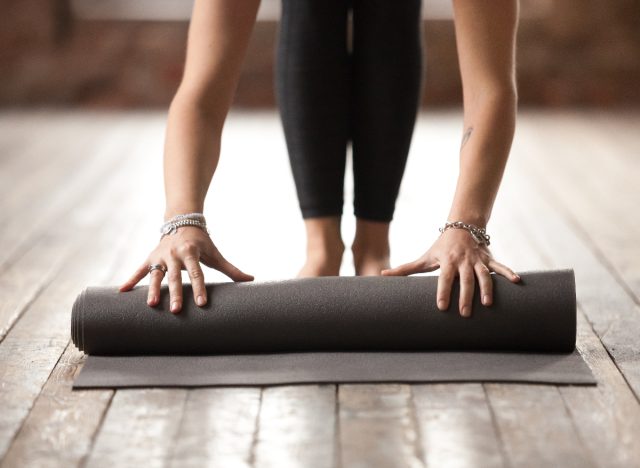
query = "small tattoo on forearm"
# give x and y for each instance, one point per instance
(466, 136)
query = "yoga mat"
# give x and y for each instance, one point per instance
(331, 329)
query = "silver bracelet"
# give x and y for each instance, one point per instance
(479, 234)
(189, 219)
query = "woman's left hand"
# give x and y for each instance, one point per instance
(456, 253)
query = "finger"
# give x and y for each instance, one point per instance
(467, 288)
(417, 266)
(504, 271)
(197, 280)
(224, 266)
(175, 286)
(153, 296)
(486, 283)
(140, 273)
(445, 281)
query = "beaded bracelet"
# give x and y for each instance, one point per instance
(189, 219)
(479, 234)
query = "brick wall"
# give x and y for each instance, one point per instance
(585, 52)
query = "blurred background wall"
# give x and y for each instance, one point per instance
(130, 53)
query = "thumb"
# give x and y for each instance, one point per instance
(410, 268)
(216, 261)
(232, 271)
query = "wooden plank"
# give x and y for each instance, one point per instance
(603, 193)
(456, 426)
(33, 346)
(21, 283)
(377, 426)
(44, 152)
(20, 152)
(531, 432)
(74, 416)
(139, 428)
(118, 237)
(605, 418)
(608, 305)
(50, 201)
(535, 428)
(297, 427)
(55, 432)
(231, 407)
(47, 248)
(23, 280)
(64, 412)
(72, 413)
(217, 428)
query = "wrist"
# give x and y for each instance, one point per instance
(469, 218)
(172, 225)
(478, 233)
(173, 211)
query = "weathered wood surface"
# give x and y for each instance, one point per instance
(103, 180)
(378, 426)
(456, 426)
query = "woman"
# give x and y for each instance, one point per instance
(218, 36)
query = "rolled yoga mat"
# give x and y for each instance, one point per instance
(331, 329)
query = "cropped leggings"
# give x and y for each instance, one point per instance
(335, 88)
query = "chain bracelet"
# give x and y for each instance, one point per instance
(479, 234)
(190, 219)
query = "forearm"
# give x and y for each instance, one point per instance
(191, 153)
(219, 33)
(485, 35)
(489, 126)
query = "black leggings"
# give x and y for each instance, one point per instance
(329, 96)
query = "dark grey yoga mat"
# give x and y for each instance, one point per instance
(331, 329)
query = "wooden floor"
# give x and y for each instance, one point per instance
(80, 203)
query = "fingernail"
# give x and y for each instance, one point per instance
(442, 304)
(151, 300)
(200, 300)
(466, 311)
(486, 300)
(174, 306)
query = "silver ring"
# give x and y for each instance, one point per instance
(157, 266)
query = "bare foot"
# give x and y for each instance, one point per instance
(371, 251)
(369, 263)
(324, 247)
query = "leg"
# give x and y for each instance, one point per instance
(312, 84)
(370, 248)
(387, 77)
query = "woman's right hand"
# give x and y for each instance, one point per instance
(183, 250)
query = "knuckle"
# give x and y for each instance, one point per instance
(188, 248)
(195, 273)
(452, 257)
